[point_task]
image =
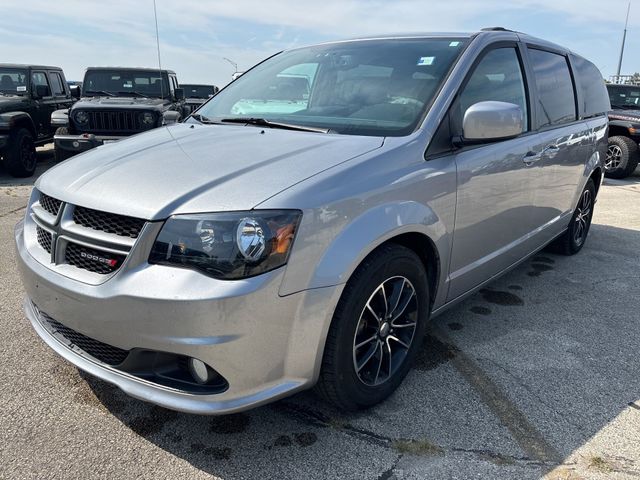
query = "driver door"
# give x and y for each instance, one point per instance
(494, 200)
(45, 106)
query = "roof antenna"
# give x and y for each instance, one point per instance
(624, 37)
(155, 14)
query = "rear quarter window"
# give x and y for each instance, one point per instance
(594, 97)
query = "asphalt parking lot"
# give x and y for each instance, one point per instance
(536, 375)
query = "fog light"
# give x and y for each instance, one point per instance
(76, 143)
(199, 370)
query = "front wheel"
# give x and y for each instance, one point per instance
(572, 241)
(377, 328)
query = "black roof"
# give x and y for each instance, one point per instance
(36, 67)
(196, 85)
(132, 69)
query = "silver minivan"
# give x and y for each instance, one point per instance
(303, 226)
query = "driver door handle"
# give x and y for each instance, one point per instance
(531, 157)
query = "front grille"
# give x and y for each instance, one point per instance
(105, 353)
(108, 222)
(44, 238)
(193, 106)
(50, 204)
(95, 261)
(113, 121)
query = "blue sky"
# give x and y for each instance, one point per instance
(197, 34)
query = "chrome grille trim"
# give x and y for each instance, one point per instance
(86, 249)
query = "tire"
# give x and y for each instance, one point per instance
(20, 157)
(340, 382)
(572, 241)
(622, 157)
(60, 155)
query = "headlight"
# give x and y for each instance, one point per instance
(81, 118)
(227, 245)
(147, 119)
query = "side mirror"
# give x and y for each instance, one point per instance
(60, 118)
(41, 91)
(488, 121)
(170, 117)
(179, 93)
(75, 91)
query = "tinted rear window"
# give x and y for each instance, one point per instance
(556, 103)
(592, 88)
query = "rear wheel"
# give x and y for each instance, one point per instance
(622, 157)
(377, 328)
(572, 241)
(20, 156)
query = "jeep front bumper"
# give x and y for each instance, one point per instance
(82, 143)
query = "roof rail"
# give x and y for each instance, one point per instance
(495, 29)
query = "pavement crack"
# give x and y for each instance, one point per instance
(318, 419)
(534, 394)
(389, 473)
(524, 433)
(6, 214)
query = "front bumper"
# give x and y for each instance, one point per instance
(266, 346)
(82, 143)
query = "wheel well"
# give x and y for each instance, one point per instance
(424, 247)
(617, 130)
(24, 123)
(596, 176)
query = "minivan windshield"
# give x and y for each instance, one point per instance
(369, 87)
(13, 81)
(136, 83)
(624, 96)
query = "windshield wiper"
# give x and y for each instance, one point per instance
(135, 93)
(263, 122)
(626, 107)
(101, 92)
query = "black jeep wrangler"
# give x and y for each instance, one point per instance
(28, 96)
(196, 94)
(117, 103)
(624, 130)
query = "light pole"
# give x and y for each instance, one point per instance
(235, 65)
(624, 37)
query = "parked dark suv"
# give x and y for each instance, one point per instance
(196, 94)
(117, 103)
(624, 130)
(28, 96)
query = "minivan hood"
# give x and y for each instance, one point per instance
(189, 168)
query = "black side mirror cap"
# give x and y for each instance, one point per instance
(75, 91)
(179, 93)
